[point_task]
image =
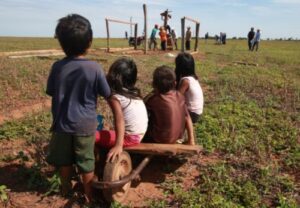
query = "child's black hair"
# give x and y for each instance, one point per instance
(75, 35)
(122, 77)
(185, 66)
(164, 79)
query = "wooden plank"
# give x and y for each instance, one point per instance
(120, 49)
(37, 55)
(193, 52)
(31, 52)
(192, 20)
(120, 21)
(164, 149)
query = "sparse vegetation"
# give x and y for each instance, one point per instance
(251, 119)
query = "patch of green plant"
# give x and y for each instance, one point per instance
(234, 183)
(117, 205)
(31, 127)
(286, 202)
(53, 185)
(157, 204)
(234, 127)
(3, 193)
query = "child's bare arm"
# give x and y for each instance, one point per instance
(190, 130)
(184, 86)
(119, 128)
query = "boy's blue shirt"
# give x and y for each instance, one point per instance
(74, 84)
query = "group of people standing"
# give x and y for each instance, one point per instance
(168, 34)
(165, 34)
(253, 39)
(220, 39)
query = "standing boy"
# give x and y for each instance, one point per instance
(74, 83)
(188, 38)
(168, 114)
(153, 37)
(174, 38)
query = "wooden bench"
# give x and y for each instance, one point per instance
(164, 149)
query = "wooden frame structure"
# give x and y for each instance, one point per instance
(183, 33)
(107, 20)
(145, 28)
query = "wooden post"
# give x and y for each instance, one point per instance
(182, 34)
(197, 36)
(135, 36)
(145, 26)
(130, 26)
(107, 31)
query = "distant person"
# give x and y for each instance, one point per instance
(206, 37)
(251, 35)
(126, 35)
(188, 38)
(168, 114)
(220, 38)
(153, 38)
(174, 38)
(188, 84)
(74, 84)
(256, 40)
(163, 38)
(216, 39)
(224, 38)
(130, 108)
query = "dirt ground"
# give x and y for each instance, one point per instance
(13, 174)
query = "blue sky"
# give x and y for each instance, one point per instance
(275, 18)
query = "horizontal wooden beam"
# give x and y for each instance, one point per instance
(192, 20)
(120, 21)
(164, 149)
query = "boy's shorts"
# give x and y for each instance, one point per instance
(67, 149)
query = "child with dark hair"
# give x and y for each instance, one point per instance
(129, 110)
(74, 84)
(168, 115)
(188, 85)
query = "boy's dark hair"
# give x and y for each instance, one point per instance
(74, 33)
(164, 79)
(122, 77)
(185, 66)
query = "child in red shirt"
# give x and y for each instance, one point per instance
(168, 114)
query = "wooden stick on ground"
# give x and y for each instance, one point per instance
(164, 149)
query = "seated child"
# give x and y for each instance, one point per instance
(130, 114)
(168, 115)
(188, 85)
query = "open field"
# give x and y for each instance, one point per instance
(249, 129)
